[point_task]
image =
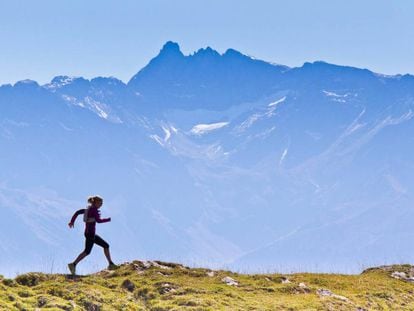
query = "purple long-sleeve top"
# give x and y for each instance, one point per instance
(90, 227)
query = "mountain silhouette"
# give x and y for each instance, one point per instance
(219, 159)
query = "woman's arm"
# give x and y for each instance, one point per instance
(72, 221)
(98, 218)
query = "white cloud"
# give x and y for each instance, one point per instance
(167, 133)
(201, 129)
(332, 94)
(278, 101)
(284, 154)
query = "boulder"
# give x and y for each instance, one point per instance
(230, 281)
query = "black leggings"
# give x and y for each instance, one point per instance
(94, 239)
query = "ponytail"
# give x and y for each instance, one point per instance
(93, 199)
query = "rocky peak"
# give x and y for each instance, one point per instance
(170, 49)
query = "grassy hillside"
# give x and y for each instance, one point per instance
(165, 286)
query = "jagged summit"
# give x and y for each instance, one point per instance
(206, 52)
(205, 78)
(65, 82)
(171, 52)
(60, 81)
(173, 48)
(170, 48)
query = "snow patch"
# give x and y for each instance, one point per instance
(60, 82)
(101, 109)
(340, 98)
(97, 107)
(73, 100)
(268, 112)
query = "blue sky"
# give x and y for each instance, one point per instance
(44, 38)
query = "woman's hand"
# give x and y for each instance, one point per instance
(71, 225)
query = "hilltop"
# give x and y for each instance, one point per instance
(155, 285)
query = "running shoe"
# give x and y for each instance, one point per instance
(72, 268)
(112, 266)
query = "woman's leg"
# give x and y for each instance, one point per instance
(108, 255)
(101, 242)
(88, 247)
(80, 257)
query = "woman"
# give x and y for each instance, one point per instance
(91, 217)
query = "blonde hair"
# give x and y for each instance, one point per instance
(95, 198)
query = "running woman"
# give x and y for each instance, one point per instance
(91, 217)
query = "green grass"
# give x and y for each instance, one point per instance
(166, 286)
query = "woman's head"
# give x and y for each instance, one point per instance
(95, 201)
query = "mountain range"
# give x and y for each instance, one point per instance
(211, 159)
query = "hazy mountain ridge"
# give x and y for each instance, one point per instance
(220, 159)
